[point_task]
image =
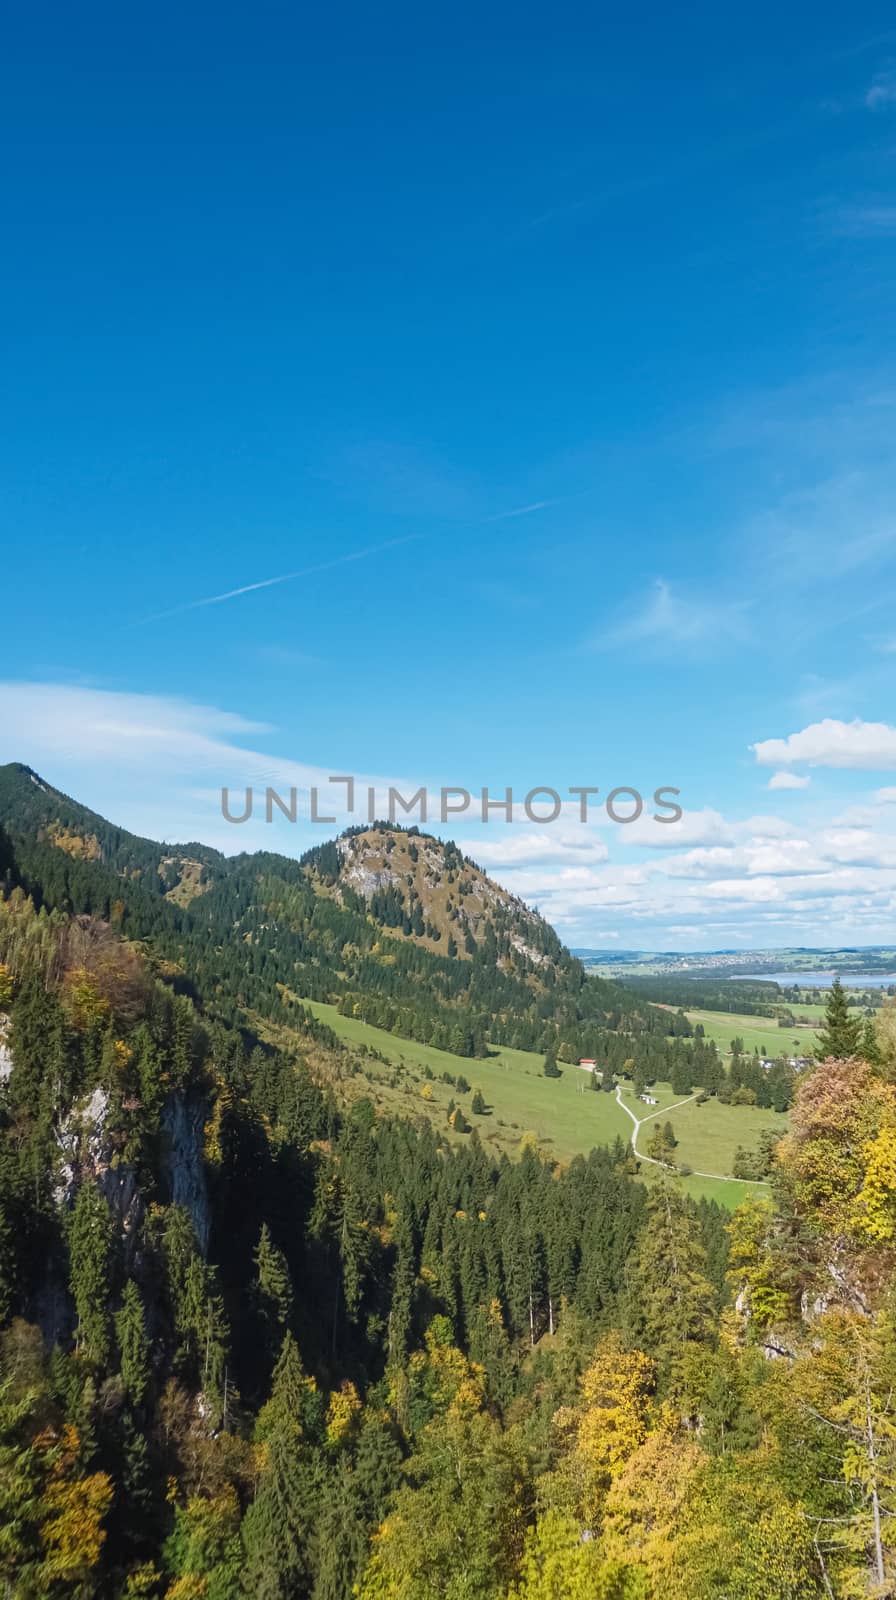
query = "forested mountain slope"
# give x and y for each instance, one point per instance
(397, 923)
(257, 1340)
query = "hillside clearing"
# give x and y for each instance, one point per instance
(565, 1114)
(756, 1032)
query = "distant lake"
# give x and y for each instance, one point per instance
(823, 980)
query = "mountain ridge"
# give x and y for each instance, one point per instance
(396, 924)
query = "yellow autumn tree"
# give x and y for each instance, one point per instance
(757, 1284)
(607, 1427)
(876, 1201)
(73, 1506)
(838, 1112)
(343, 1414)
(741, 1536)
(616, 1391)
(558, 1564)
(82, 998)
(649, 1504)
(842, 1382)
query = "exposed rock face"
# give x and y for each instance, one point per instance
(527, 950)
(451, 893)
(183, 1124)
(5, 1052)
(88, 1146)
(843, 1290)
(367, 880)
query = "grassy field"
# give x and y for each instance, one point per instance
(816, 1009)
(565, 1114)
(708, 1134)
(723, 1026)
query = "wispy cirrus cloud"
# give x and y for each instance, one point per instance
(157, 763)
(871, 220)
(882, 92)
(692, 621)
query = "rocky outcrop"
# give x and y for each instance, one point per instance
(89, 1147)
(528, 951)
(5, 1052)
(183, 1170)
(89, 1143)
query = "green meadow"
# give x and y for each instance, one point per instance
(756, 1032)
(565, 1115)
(708, 1134)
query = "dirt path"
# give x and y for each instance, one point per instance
(722, 1177)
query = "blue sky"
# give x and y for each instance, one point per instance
(553, 350)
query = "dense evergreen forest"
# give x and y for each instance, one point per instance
(257, 1339)
(754, 997)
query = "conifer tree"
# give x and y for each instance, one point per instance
(869, 1048)
(90, 1256)
(841, 1035)
(273, 1283)
(278, 1525)
(403, 1282)
(133, 1345)
(670, 1298)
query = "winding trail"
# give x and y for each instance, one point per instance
(665, 1111)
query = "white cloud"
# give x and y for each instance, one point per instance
(694, 828)
(857, 745)
(491, 850)
(156, 764)
(757, 857)
(788, 780)
(153, 763)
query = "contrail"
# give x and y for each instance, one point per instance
(284, 577)
(524, 511)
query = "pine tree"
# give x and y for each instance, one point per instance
(274, 1285)
(477, 1104)
(404, 1279)
(670, 1298)
(130, 1331)
(278, 1525)
(681, 1077)
(841, 1036)
(870, 1048)
(90, 1256)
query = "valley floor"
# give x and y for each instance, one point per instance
(565, 1115)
